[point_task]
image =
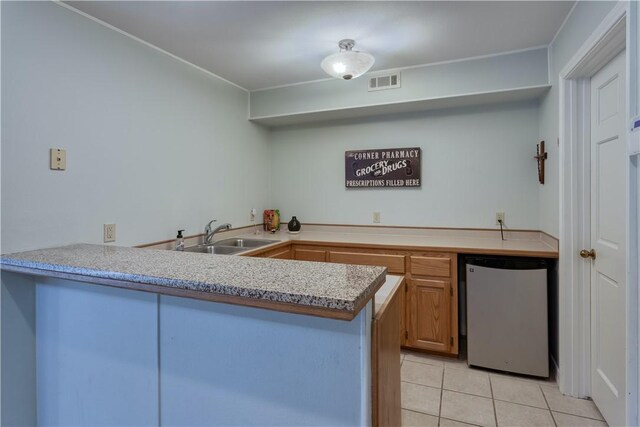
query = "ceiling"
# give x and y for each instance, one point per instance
(263, 44)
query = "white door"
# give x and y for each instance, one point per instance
(608, 240)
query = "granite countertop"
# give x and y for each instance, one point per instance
(335, 287)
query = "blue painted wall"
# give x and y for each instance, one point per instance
(584, 18)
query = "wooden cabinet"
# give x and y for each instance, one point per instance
(309, 254)
(431, 310)
(428, 298)
(429, 313)
(394, 263)
(279, 252)
(438, 265)
(385, 359)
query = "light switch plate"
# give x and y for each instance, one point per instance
(58, 159)
(109, 233)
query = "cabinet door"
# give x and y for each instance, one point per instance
(310, 255)
(430, 314)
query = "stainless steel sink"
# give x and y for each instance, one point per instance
(229, 246)
(214, 249)
(244, 243)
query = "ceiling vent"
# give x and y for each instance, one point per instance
(387, 81)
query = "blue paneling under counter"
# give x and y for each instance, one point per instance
(87, 354)
(97, 355)
(18, 403)
(230, 365)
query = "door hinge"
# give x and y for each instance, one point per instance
(451, 291)
(406, 335)
(451, 341)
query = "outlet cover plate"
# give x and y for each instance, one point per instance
(58, 158)
(499, 217)
(109, 233)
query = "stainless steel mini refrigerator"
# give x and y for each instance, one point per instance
(507, 326)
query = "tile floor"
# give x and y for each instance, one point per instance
(445, 392)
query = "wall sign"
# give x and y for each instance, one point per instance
(389, 167)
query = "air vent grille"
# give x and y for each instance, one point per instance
(387, 81)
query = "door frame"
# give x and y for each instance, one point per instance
(574, 376)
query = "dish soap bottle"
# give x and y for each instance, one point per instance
(180, 241)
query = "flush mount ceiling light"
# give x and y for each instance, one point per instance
(347, 64)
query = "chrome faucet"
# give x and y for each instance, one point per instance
(208, 232)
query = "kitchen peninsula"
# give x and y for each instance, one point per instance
(172, 354)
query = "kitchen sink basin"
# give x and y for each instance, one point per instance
(244, 243)
(215, 249)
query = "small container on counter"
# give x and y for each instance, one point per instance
(294, 225)
(180, 241)
(272, 220)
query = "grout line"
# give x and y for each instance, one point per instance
(544, 397)
(426, 363)
(523, 379)
(579, 416)
(468, 394)
(417, 411)
(493, 402)
(441, 395)
(464, 422)
(562, 412)
(521, 404)
(423, 385)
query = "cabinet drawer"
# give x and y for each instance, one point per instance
(395, 263)
(282, 253)
(309, 255)
(439, 266)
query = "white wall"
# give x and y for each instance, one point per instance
(153, 145)
(584, 18)
(475, 162)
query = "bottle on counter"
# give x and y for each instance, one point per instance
(294, 225)
(180, 241)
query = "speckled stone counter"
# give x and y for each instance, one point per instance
(323, 289)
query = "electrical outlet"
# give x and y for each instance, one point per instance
(376, 217)
(500, 217)
(109, 233)
(253, 214)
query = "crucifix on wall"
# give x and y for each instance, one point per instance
(540, 156)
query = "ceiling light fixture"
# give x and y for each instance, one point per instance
(347, 64)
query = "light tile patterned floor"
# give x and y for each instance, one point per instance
(439, 391)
